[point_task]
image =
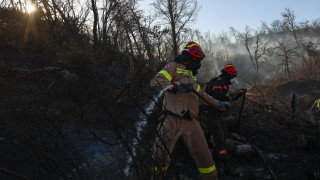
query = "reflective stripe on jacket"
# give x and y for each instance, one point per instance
(218, 89)
(180, 103)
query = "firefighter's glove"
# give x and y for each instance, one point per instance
(184, 88)
(175, 85)
(224, 105)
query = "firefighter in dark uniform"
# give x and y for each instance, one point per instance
(211, 119)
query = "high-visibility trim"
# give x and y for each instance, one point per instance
(180, 71)
(166, 74)
(318, 103)
(222, 152)
(217, 87)
(207, 170)
(191, 74)
(228, 65)
(188, 72)
(160, 170)
(198, 88)
(183, 72)
(192, 45)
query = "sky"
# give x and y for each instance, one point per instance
(219, 15)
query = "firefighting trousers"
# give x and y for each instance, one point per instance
(212, 124)
(169, 131)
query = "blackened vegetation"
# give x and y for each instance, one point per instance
(284, 145)
(52, 113)
(61, 113)
(293, 135)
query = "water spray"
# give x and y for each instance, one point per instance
(140, 124)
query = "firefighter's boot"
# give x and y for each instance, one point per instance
(229, 166)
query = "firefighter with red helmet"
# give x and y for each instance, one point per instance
(211, 119)
(181, 107)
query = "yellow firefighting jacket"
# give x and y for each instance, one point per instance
(180, 103)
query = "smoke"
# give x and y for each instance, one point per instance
(279, 48)
(209, 69)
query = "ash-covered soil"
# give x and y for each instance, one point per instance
(285, 158)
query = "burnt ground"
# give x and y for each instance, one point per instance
(285, 159)
(288, 142)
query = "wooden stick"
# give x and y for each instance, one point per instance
(5, 171)
(265, 162)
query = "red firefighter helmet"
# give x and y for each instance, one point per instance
(194, 49)
(231, 69)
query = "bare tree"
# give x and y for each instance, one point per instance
(95, 22)
(313, 65)
(316, 28)
(177, 14)
(277, 26)
(144, 32)
(289, 23)
(257, 45)
(287, 54)
(71, 14)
